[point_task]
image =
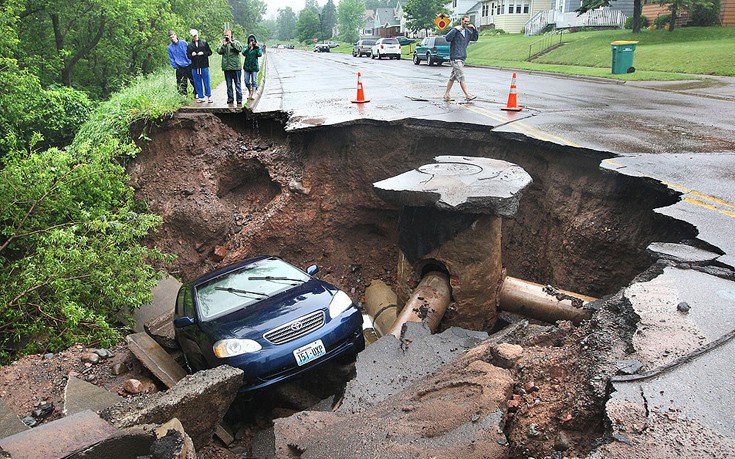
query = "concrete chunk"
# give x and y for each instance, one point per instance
(681, 253)
(10, 423)
(155, 358)
(199, 401)
(80, 396)
(459, 183)
(59, 438)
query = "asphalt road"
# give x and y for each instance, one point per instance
(593, 113)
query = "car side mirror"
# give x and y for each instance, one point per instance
(182, 322)
(311, 270)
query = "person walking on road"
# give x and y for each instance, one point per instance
(199, 52)
(180, 62)
(459, 37)
(230, 50)
(252, 52)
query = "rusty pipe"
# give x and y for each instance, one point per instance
(381, 304)
(542, 302)
(427, 303)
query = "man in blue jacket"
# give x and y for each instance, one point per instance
(459, 37)
(180, 62)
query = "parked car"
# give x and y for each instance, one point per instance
(331, 44)
(266, 317)
(386, 47)
(290, 46)
(363, 47)
(322, 48)
(403, 41)
(433, 50)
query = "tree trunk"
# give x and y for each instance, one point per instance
(672, 21)
(637, 11)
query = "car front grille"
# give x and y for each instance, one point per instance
(296, 329)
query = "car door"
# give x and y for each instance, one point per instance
(190, 337)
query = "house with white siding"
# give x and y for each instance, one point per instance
(508, 15)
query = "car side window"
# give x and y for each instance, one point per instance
(180, 302)
(188, 304)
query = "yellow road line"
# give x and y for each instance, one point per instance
(522, 127)
(686, 190)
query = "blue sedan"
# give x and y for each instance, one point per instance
(266, 317)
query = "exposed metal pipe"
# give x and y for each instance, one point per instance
(543, 302)
(381, 304)
(427, 303)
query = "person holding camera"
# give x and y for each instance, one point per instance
(230, 50)
(252, 52)
(199, 52)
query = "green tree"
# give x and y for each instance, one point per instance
(588, 5)
(307, 26)
(350, 18)
(375, 4)
(329, 18)
(286, 24)
(70, 254)
(249, 14)
(420, 14)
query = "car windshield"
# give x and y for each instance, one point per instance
(390, 41)
(368, 42)
(246, 286)
(441, 41)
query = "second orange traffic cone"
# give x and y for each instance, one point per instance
(512, 105)
(360, 93)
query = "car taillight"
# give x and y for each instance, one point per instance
(381, 46)
(434, 49)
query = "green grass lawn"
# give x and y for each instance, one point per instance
(660, 54)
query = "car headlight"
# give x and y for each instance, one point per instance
(340, 303)
(232, 347)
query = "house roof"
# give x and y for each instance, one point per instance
(387, 16)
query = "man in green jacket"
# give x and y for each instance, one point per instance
(230, 50)
(252, 52)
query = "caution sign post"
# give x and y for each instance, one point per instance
(442, 21)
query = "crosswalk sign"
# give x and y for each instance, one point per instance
(442, 21)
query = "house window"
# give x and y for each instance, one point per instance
(485, 10)
(500, 8)
(519, 6)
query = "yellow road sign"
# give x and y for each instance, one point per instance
(442, 21)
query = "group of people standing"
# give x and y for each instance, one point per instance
(191, 62)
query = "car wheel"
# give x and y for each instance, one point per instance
(416, 59)
(429, 59)
(354, 54)
(378, 56)
(372, 56)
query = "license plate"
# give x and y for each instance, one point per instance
(311, 351)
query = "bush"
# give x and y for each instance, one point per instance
(705, 14)
(644, 22)
(662, 21)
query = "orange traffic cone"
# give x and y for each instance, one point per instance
(360, 94)
(512, 98)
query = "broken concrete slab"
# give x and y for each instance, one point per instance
(164, 300)
(199, 401)
(80, 396)
(173, 442)
(59, 438)
(10, 423)
(135, 442)
(681, 253)
(161, 329)
(470, 398)
(685, 411)
(387, 366)
(155, 358)
(666, 333)
(459, 183)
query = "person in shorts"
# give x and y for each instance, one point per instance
(459, 37)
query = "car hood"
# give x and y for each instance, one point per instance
(270, 313)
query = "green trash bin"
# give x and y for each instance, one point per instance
(622, 56)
